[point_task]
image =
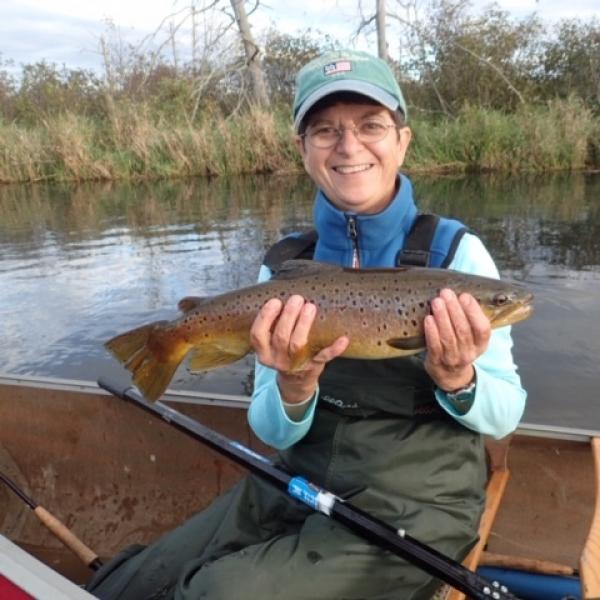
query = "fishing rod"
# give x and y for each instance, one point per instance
(378, 532)
(56, 527)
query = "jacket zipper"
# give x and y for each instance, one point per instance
(352, 230)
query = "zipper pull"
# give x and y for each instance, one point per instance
(352, 231)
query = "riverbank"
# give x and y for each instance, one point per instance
(132, 143)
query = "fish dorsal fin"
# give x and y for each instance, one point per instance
(189, 303)
(387, 270)
(293, 269)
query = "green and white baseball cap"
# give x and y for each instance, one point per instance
(346, 71)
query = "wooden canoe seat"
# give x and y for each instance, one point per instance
(589, 566)
(498, 474)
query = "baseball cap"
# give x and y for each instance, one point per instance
(346, 71)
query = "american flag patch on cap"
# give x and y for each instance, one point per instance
(337, 67)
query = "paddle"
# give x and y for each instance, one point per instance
(368, 527)
(58, 528)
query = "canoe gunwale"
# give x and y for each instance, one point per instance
(240, 401)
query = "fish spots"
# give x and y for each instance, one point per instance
(314, 557)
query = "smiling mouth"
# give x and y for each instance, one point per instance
(349, 170)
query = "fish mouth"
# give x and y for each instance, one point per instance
(514, 313)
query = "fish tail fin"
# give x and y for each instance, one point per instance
(150, 356)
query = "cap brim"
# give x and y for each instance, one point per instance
(346, 85)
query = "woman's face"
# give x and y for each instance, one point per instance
(356, 177)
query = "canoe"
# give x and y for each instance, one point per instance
(116, 476)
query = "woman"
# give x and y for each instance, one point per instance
(400, 437)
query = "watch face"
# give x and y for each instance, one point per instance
(462, 400)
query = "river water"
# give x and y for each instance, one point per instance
(79, 264)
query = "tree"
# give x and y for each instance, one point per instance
(571, 62)
(379, 18)
(457, 58)
(283, 54)
(252, 52)
(382, 50)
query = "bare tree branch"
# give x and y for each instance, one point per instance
(492, 66)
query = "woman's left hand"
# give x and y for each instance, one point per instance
(456, 333)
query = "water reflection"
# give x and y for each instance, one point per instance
(80, 263)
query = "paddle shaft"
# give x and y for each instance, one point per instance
(56, 527)
(366, 526)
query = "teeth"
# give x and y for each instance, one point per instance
(352, 169)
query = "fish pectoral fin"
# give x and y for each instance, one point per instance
(211, 356)
(190, 303)
(293, 269)
(414, 343)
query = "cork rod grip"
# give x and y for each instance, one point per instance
(65, 536)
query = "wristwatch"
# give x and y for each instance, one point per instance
(461, 400)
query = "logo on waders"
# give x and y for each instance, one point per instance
(337, 402)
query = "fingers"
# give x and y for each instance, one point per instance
(280, 331)
(457, 332)
(280, 335)
(291, 330)
(453, 327)
(481, 329)
(260, 332)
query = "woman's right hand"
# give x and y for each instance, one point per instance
(279, 336)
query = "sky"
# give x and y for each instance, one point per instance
(68, 31)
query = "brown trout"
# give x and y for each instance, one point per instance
(380, 310)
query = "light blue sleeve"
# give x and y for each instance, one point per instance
(266, 415)
(499, 398)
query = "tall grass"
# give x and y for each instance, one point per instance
(560, 135)
(134, 145)
(132, 142)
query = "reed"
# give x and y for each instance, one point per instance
(131, 141)
(560, 135)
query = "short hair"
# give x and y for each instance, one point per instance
(348, 98)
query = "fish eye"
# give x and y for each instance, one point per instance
(500, 299)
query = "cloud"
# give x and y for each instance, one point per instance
(29, 37)
(69, 32)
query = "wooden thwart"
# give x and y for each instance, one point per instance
(589, 566)
(494, 491)
(531, 565)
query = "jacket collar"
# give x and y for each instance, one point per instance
(374, 231)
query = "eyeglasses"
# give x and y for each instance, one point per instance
(327, 136)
